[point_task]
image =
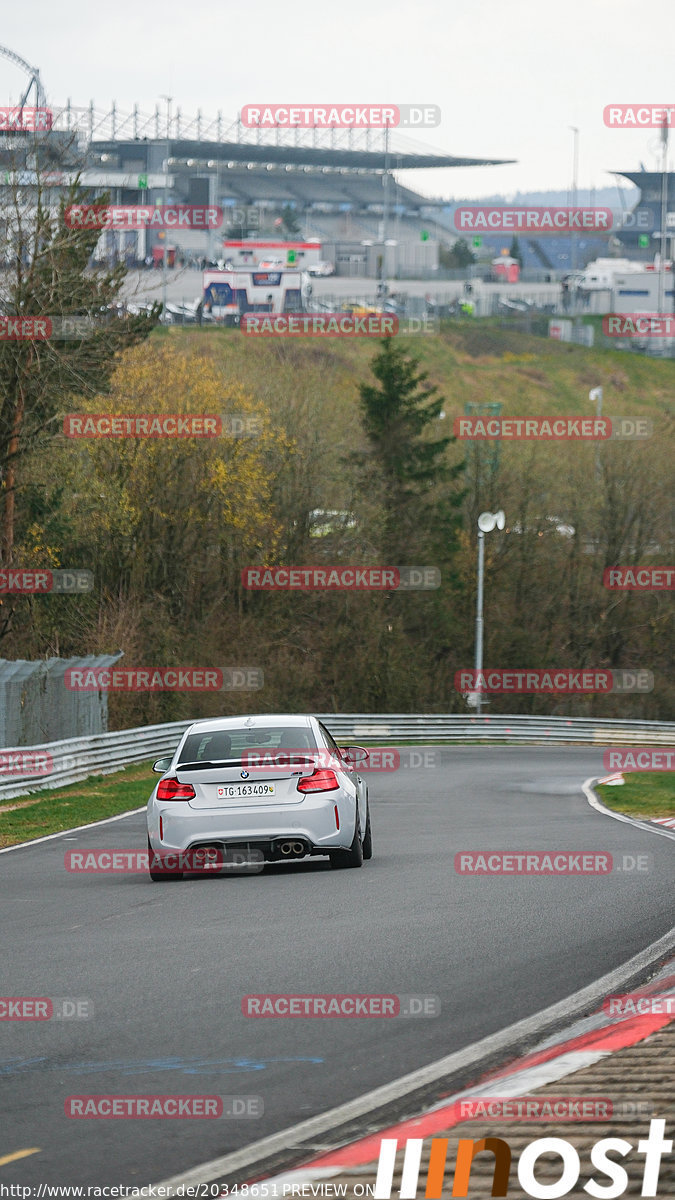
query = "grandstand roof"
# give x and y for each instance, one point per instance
(649, 182)
(249, 152)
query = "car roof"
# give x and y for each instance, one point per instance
(252, 721)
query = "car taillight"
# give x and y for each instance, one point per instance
(321, 780)
(171, 789)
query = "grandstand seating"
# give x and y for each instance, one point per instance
(313, 187)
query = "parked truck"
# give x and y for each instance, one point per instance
(228, 294)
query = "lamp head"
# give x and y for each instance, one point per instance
(487, 521)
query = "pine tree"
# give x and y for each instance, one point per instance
(410, 471)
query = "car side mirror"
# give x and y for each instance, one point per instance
(354, 754)
(162, 764)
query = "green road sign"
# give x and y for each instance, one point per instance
(291, 257)
(643, 240)
(424, 235)
(142, 182)
(477, 241)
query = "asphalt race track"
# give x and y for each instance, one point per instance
(166, 966)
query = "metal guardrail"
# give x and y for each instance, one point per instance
(78, 758)
(460, 727)
(75, 759)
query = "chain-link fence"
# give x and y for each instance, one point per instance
(36, 706)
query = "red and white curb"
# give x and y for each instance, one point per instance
(669, 821)
(581, 1045)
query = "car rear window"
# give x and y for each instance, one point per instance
(220, 745)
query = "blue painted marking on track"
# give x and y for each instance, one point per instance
(147, 1066)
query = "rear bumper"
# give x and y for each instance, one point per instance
(313, 823)
(239, 853)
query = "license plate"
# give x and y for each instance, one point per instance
(232, 791)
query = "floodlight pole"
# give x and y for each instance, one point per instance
(596, 394)
(486, 522)
(385, 204)
(479, 616)
(165, 256)
(664, 219)
(573, 239)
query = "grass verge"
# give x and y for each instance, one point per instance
(647, 795)
(81, 803)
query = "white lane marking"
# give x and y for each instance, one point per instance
(520, 1083)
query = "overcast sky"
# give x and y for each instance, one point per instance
(510, 76)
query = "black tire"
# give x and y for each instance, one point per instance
(368, 838)
(160, 876)
(349, 858)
